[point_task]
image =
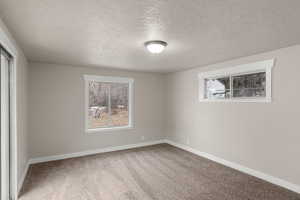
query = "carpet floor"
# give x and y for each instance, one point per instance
(159, 172)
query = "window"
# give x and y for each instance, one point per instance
(245, 83)
(108, 103)
(217, 88)
(249, 85)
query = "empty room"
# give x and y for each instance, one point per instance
(150, 100)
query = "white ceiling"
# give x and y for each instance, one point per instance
(111, 33)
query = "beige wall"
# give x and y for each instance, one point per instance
(21, 87)
(56, 103)
(261, 136)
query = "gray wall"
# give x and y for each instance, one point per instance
(21, 87)
(56, 103)
(261, 136)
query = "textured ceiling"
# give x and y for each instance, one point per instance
(111, 33)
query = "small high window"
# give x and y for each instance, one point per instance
(248, 83)
(108, 103)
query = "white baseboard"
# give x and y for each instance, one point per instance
(23, 176)
(91, 152)
(266, 177)
(79, 154)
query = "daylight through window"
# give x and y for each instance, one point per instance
(218, 88)
(250, 82)
(108, 102)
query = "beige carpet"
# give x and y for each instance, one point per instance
(159, 172)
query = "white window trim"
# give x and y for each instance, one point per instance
(109, 79)
(262, 66)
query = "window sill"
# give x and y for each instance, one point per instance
(110, 129)
(241, 100)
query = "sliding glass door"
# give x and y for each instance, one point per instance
(5, 59)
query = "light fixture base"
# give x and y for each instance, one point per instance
(155, 46)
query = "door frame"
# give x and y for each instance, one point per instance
(6, 43)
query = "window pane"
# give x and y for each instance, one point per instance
(119, 104)
(217, 88)
(108, 105)
(98, 111)
(249, 85)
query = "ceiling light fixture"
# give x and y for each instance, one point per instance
(155, 46)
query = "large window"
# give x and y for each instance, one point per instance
(250, 82)
(108, 103)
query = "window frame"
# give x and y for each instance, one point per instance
(251, 68)
(108, 79)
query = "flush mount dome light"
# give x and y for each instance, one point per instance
(155, 46)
